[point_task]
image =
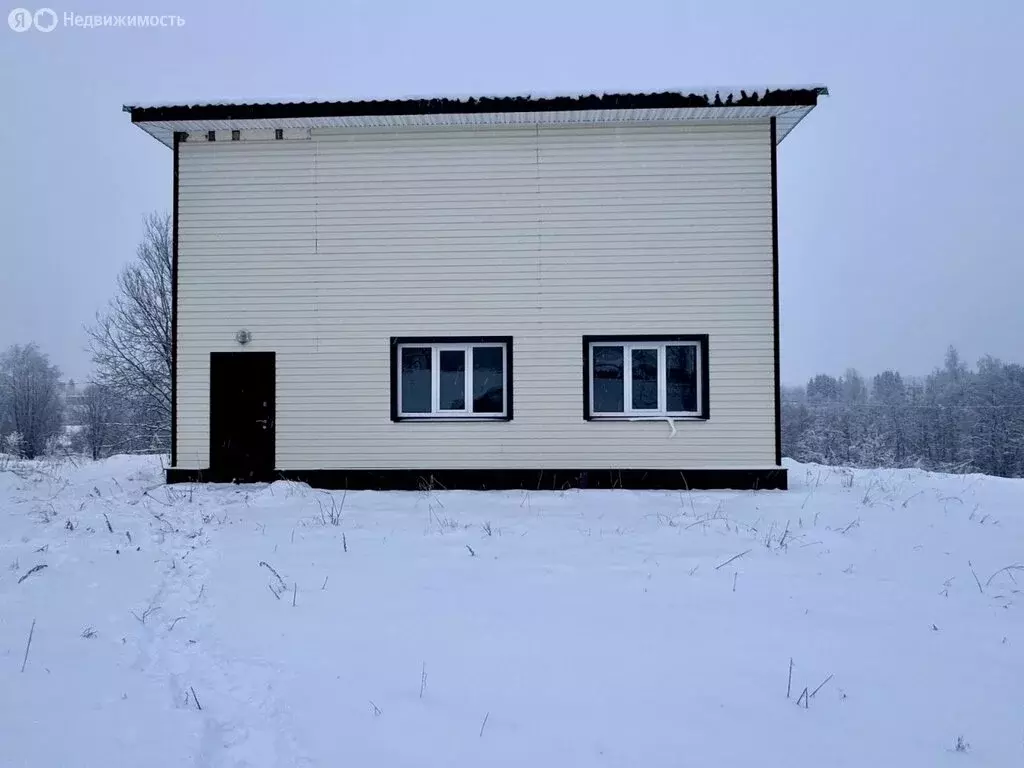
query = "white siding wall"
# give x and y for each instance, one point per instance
(325, 248)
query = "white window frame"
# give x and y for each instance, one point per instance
(436, 348)
(661, 412)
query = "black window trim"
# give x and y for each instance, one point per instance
(397, 341)
(701, 339)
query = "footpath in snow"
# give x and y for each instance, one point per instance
(278, 625)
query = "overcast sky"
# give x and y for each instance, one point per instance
(901, 211)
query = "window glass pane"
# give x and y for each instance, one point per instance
(681, 378)
(608, 379)
(488, 380)
(452, 379)
(416, 379)
(645, 379)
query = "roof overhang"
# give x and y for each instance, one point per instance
(787, 105)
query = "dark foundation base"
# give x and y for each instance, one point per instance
(505, 479)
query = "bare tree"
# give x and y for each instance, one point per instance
(30, 403)
(131, 338)
(102, 417)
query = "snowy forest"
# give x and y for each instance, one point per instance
(955, 419)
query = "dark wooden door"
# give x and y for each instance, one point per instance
(242, 415)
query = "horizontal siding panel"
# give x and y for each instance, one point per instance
(339, 158)
(452, 306)
(567, 401)
(725, 357)
(301, 340)
(694, 254)
(299, 370)
(212, 278)
(523, 290)
(615, 238)
(357, 389)
(213, 200)
(564, 332)
(730, 428)
(339, 214)
(532, 240)
(449, 439)
(323, 249)
(643, 296)
(303, 188)
(469, 322)
(397, 227)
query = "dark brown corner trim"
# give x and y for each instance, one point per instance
(786, 97)
(775, 296)
(174, 307)
(702, 340)
(512, 479)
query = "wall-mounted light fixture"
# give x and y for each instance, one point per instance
(243, 337)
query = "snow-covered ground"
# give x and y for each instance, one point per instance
(239, 626)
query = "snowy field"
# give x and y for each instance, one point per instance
(284, 626)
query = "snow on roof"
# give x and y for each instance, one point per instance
(703, 91)
(788, 104)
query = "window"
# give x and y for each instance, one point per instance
(451, 378)
(629, 377)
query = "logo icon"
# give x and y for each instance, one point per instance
(20, 19)
(45, 19)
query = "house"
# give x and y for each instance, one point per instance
(535, 292)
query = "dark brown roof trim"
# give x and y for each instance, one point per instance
(801, 97)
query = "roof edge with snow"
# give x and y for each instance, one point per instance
(790, 105)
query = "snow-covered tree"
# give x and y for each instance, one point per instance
(823, 389)
(30, 403)
(854, 389)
